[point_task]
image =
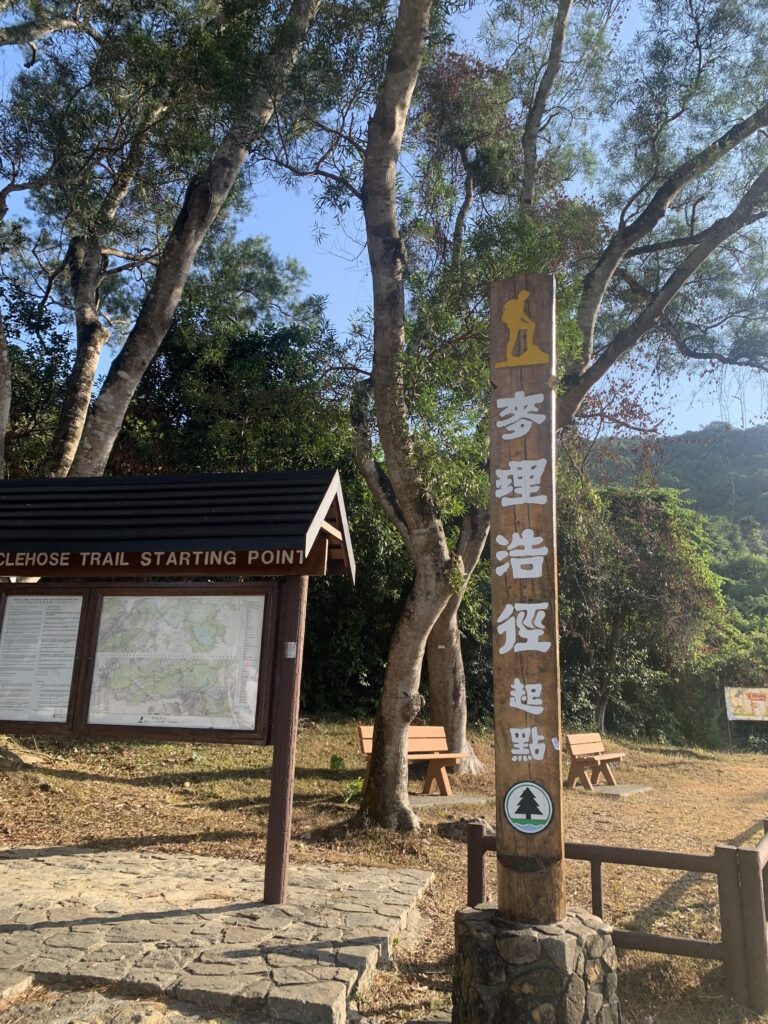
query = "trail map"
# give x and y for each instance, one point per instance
(178, 661)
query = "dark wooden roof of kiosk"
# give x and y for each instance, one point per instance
(205, 512)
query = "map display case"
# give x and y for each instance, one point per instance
(165, 661)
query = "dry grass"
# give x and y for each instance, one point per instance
(214, 800)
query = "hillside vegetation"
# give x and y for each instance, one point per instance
(723, 471)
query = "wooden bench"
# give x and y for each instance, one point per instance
(588, 754)
(425, 743)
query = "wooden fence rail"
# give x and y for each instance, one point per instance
(742, 896)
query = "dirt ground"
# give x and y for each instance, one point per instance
(214, 800)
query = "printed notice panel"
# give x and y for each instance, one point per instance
(189, 662)
(746, 704)
(38, 642)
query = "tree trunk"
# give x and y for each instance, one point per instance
(205, 198)
(601, 706)
(86, 268)
(448, 685)
(5, 394)
(447, 680)
(385, 800)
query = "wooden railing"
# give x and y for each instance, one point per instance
(742, 896)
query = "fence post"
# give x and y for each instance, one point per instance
(475, 863)
(729, 897)
(596, 877)
(753, 917)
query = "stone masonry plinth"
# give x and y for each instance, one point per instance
(506, 973)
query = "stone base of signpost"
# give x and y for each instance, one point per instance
(533, 974)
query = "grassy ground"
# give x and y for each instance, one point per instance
(214, 800)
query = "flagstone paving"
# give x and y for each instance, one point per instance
(195, 929)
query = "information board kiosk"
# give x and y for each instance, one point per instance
(132, 631)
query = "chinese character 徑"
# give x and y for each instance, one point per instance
(522, 626)
(519, 484)
(526, 697)
(518, 414)
(524, 555)
(527, 744)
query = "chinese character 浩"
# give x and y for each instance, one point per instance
(519, 484)
(526, 697)
(522, 626)
(518, 414)
(523, 554)
(527, 744)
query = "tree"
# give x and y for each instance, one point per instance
(527, 805)
(674, 211)
(638, 595)
(130, 128)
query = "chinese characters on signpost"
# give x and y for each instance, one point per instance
(524, 593)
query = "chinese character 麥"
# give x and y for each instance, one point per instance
(518, 414)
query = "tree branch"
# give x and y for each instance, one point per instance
(27, 33)
(722, 229)
(371, 470)
(535, 116)
(597, 280)
(387, 258)
(680, 243)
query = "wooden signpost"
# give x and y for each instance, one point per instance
(524, 591)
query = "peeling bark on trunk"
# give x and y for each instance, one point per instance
(86, 267)
(205, 198)
(5, 394)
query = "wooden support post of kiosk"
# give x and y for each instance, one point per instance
(524, 590)
(286, 722)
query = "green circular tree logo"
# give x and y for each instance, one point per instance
(528, 807)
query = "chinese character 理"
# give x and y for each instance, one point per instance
(527, 744)
(524, 555)
(519, 483)
(522, 626)
(526, 697)
(518, 414)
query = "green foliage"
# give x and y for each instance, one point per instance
(40, 358)
(722, 470)
(639, 601)
(352, 790)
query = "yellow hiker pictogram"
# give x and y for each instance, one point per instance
(517, 321)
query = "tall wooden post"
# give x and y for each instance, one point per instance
(524, 591)
(287, 693)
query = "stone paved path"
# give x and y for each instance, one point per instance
(193, 928)
(57, 1005)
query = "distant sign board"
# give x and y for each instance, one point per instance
(746, 704)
